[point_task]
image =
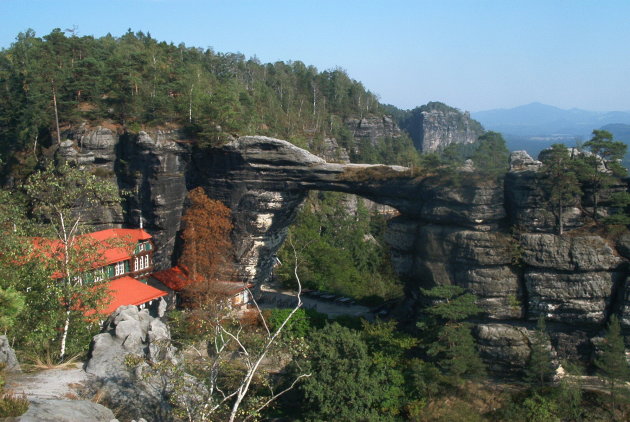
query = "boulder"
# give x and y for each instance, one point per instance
(570, 297)
(522, 161)
(66, 411)
(568, 253)
(7, 355)
(128, 331)
(505, 348)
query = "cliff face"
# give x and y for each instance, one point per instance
(373, 128)
(444, 234)
(435, 126)
(151, 168)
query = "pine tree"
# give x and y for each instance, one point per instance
(539, 368)
(603, 147)
(612, 363)
(450, 341)
(560, 182)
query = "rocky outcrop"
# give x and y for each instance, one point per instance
(435, 126)
(128, 331)
(150, 166)
(495, 239)
(570, 278)
(373, 128)
(504, 346)
(7, 356)
(430, 255)
(65, 411)
(129, 336)
(264, 180)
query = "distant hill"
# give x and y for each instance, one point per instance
(534, 127)
(620, 131)
(538, 120)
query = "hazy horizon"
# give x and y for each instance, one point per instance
(473, 55)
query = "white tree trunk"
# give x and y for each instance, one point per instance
(64, 337)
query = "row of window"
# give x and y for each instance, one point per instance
(141, 262)
(143, 246)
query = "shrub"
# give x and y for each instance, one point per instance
(12, 405)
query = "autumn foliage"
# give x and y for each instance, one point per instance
(207, 252)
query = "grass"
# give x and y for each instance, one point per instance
(12, 405)
(47, 362)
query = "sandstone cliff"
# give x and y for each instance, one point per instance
(495, 239)
(435, 126)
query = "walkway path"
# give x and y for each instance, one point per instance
(49, 383)
(276, 298)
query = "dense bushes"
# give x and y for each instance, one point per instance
(340, 252)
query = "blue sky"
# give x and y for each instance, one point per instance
(471, 54)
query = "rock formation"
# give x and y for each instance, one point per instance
(131, 335)
(7, 356)
(65, 411)
(435, 126)
(373, 128)
(128, 331)
(496, 239)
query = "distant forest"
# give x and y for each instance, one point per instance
(134, 82)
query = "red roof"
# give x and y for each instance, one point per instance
(111, 255)
(173, 278)
(129, 291)
(177, 279)
(229, 288)
(126, 238)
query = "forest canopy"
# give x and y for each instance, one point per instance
(53, 82)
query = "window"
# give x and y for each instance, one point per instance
(146, 261)
(99, 275)
(135, 264)
(140, 246)
(120, 268)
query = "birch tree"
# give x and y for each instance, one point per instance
(60, 198)
(230, 368)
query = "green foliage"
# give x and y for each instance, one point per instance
(590, 172)
(447, 338)
(348, 382)
(136, 81)
(452, 303)
(539, 368)
(540, 409)
(422, 379)
(560, 181)
(612, 363)
(300, 325)
(603, 145)
(26, 282)
(12, 405)
(11, 304)
(491, 155)
(58, 198)
(619, 202)
(338, 252)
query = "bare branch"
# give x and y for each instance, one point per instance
(275, 396)
(258, 309)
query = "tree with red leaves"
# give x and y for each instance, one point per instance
(207, 253)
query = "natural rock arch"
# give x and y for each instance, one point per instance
(264, 180)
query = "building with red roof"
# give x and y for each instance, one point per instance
(129, 291)
(124, 257)
(177, 279)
